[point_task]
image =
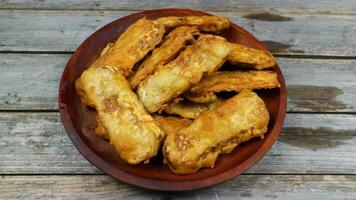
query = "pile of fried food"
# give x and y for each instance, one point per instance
(153, 87)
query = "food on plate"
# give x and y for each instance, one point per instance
(188, 109)
(205, 56)
(132, 45)
(218, 131)
(250, 58)
(149, 88)
(173, 43)
(235, 81)
(132, 131)
(204, 23)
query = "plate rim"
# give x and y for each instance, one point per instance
(163, 185)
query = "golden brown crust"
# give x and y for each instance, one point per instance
(204, 23)
(236, 120)
(132, 131)
(205, 56)
(174, 42)
(170, 124)
(188, 109)
(132, 45)
(200, 98)
(235, 81)
(100, 129)
(250, 58)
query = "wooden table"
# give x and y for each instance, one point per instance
(314, 42)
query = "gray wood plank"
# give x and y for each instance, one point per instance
(328, 35)
(30, 82)
(36, 143)
(243, 187)
(289, 6)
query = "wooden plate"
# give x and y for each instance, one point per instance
(79, 121)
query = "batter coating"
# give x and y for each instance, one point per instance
(168, 124)
(203, 57)
(250, 58)
(218, 131)
(204, 23)
(235, 81)
(174, 42)
(188, 109)
(132, 131)
(132, 45)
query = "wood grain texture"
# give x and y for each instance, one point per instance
(316, 85)
(286, 6)
(243, 187)
(290, 34)
(36, 143)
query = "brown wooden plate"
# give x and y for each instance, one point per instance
(79, 121)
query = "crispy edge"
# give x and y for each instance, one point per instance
(236, 81)
(204, 23)
(250, 58)
(170, 124)
(173, 43)
(123, 54)
(200, 98)
(190, 110)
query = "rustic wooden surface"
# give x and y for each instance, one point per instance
(314, 41)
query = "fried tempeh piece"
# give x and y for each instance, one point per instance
(168, 124)
(236, 81)
(100, 130)
(198, 145)
(132, 45)
(204, 23)
(200, 98)
(250, 58)
(205, 56)
(174, 42)
(132, 131)
(188, 109)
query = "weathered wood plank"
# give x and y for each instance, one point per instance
(30, 81)
(317, 85)
(286, 6)
(243, 187)
(36, 143)
(332, 35)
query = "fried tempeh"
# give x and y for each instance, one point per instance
(204, 23)
(200, 98)
(235, 81)
(250, 58)
(132, 131)
(168, 124)
(205, 56)
(188, 109)
(100, 130)
(132, 45)
(174, 42)
(198, 145)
